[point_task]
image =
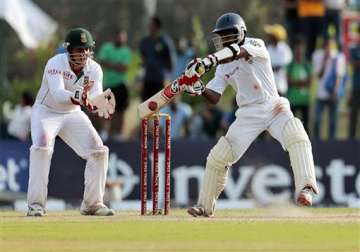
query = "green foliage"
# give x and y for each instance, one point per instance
(25, 69)
(256, 16)
(199, 41)
(27, 74)
(134, 66)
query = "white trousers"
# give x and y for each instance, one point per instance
(252, 120)
(76, 130)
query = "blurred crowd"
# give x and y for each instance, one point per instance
(311, 68)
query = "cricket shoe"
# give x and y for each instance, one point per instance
(35, 212)
(305, 196)
(101, 211)
(197, 211)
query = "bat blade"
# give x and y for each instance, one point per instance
(157, 101)
(164, 96)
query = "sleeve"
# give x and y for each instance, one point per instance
(54, 77)
(256, 48)
(97, 87)
(218, 83)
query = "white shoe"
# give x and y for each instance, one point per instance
(305, 196)
(102, 211)
(35, 212)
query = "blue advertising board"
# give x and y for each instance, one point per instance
(262, 176)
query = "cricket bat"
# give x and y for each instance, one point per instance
(162, 98)
(157, 101)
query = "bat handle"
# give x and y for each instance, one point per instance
(200, 68)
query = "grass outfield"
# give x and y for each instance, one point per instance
(271, 229)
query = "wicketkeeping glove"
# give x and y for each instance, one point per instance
(80, 96)
(104, 104)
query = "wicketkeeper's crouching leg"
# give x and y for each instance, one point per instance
(297, 143)
(218, 162)
(40, 158)
(95, 178)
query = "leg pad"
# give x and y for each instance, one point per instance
(297, 143)
(219, 160)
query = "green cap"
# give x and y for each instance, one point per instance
(79, 38)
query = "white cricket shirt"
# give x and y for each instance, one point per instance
(253, 79)
(280, 56)
(59, 83)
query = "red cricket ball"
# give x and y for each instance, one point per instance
(152, 106)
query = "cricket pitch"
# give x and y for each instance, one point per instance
(263, 229)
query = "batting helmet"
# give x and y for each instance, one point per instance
(79, 38)
(229, 28)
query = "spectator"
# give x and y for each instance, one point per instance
(299, 73)
(115, 57)
(180, 113)
(327, 64)
(185, 54)
(19, 125)
(354, 99)
(207, 123)
(157, 58)
(291, 19)
(333, 16)
(280, 54)
(311, 14)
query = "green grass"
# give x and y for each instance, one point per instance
(272, 229)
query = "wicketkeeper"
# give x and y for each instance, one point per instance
(71, 80)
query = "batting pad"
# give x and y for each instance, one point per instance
(298, 145)
(218, 162)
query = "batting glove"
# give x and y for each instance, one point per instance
(196, 89)
(194, 68)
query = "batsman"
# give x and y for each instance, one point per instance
(244, 64)
(71, 80)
